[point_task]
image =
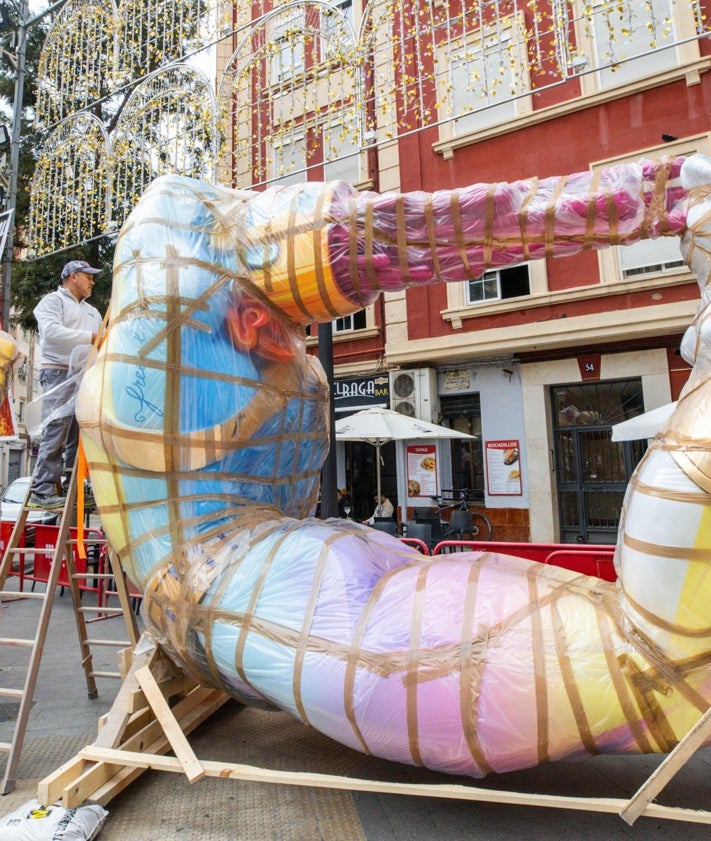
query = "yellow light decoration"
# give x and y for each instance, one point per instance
(69, 190)
(297, 69)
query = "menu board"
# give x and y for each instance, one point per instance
(503, 468)
(422, 470)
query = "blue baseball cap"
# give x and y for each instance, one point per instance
(78, 266)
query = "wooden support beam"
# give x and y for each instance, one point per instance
(77, 780)
(687, 747)
(171, 728)
(169, 687)
(134, 739)
(110, 734)
(249, 773)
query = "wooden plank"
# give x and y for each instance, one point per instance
(694, 739)
(49, 789)
(143, 722)
(111, 733)
(125, 659)
(101, 782)
(170, 687)
(250, 773)
(181, 747)
(145, 733)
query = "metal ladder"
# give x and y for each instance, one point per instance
(64, 549)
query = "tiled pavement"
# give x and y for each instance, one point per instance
(165, 806)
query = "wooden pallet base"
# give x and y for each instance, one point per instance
(155, 710)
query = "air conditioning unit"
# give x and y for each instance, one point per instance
(414, 393)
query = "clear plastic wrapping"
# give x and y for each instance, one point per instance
(204, 423)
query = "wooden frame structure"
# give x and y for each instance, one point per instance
(62, 560)
(156, 708)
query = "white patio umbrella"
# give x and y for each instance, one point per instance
(643, 426)
(379, 426)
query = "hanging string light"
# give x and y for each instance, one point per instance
(308, 83)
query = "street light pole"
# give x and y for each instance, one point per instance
(329, 504)
(24, 22)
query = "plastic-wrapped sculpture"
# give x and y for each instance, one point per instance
(204, 423)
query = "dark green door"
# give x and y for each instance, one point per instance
(592, 471)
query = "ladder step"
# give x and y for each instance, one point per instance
(41, 550)
(16, 641)
(11, 693)
(109, 643)
(62, 559)
(29, 550)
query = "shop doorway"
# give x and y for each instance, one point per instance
(463, 413)
(361, 476)
(592, 471)
(14, 465)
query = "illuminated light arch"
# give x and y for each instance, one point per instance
(70, 186)
(400, 66)
(293, 83)
(77, 60)
(161, 31)
(167, 127)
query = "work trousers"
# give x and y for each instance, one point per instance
(60, 433)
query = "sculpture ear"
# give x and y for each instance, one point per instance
(252, 328)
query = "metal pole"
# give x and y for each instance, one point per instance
(329, 504)
(17, 106)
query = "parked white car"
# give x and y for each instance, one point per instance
(11, 504)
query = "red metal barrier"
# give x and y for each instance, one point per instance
(585, 558)
(46, 538)
(598, 563)
(417, 543)
(18, 563)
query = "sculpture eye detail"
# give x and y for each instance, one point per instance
(264, 254)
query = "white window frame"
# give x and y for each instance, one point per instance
(346, 323)
(370, 330)
(646, 56)
(491, 281)
(485, 108)
(459, 308)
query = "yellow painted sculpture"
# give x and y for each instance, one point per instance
(204, 423)
(8, 351)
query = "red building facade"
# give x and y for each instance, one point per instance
(546, 356)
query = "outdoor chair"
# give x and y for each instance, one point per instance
(436, 530)
(386, 524)
(460, 526)
(420, 531)
(424, 513)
